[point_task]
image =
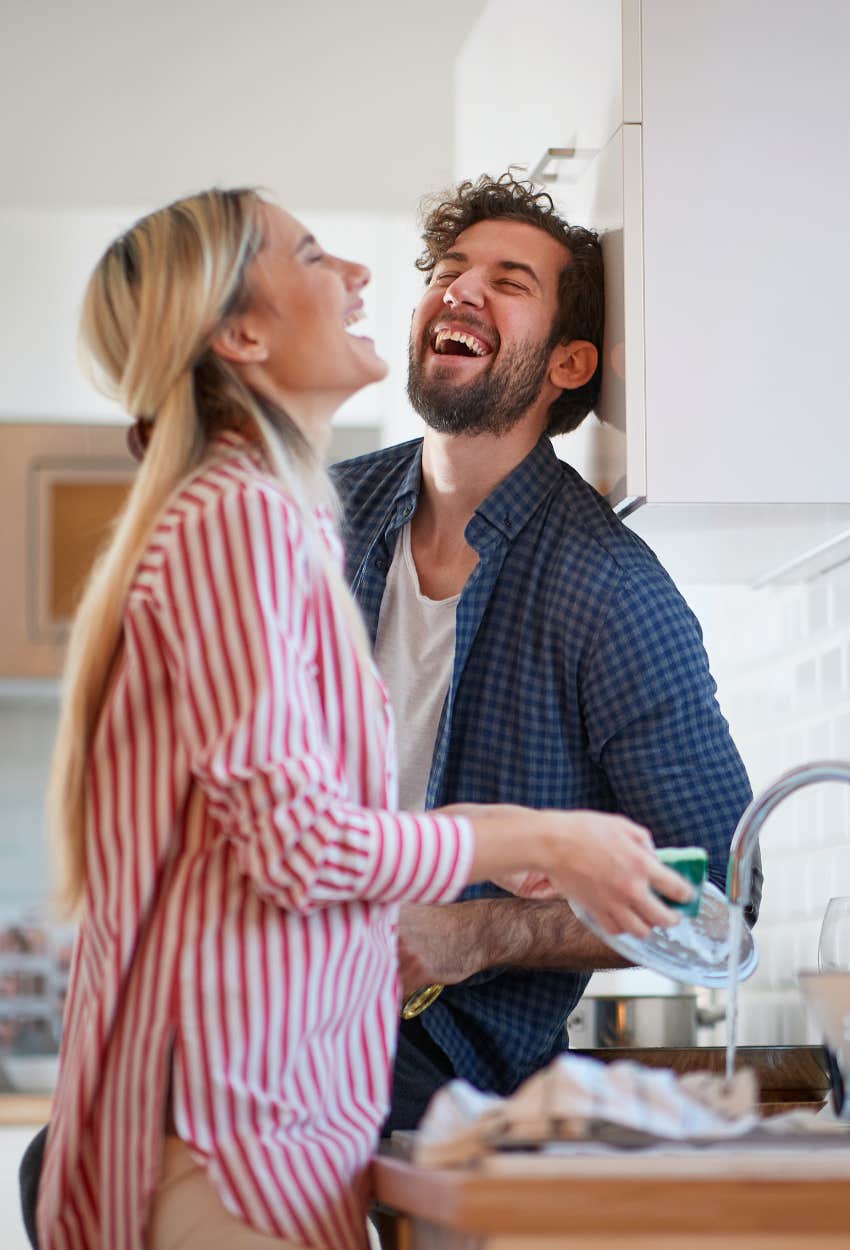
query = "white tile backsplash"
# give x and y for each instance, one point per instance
(832, 674)
(781, 658)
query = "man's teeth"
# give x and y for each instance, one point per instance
(456, 336)
(353, 318)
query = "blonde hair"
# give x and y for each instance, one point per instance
(150, 311)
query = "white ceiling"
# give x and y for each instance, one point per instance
(330, 104)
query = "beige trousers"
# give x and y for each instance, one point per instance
(187, 1213)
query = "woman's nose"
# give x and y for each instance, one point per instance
(356, 275)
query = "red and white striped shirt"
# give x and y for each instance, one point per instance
(244, 869)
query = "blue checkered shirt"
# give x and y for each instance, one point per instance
(579, 681)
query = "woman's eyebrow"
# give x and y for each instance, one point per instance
(307, 241)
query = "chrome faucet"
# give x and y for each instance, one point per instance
(749, 826)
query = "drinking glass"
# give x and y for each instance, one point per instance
(834, 943)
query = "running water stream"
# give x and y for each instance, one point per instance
(736, 929)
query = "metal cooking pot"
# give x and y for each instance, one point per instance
(639, 1020)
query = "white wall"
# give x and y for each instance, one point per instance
(45, 260)
(47, 255)
(781, 657)
(338, 105)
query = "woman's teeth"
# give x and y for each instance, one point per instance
(353, 318)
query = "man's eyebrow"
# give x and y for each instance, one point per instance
(307, 241)
(506, 265)
(509, 265)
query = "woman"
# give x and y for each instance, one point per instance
(223, 775)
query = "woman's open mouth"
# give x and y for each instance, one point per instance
(351, 319)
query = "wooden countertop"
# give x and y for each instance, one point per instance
(22, 1109)
(789, 1192)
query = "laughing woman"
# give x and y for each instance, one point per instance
(223, 791)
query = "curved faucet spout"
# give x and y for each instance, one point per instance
(749, 826)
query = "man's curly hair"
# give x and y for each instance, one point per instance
(581, 299)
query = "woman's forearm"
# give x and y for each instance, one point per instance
(603, 861)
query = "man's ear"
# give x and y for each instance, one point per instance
(572, 364)
(240, 341)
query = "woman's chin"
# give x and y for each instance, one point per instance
(381, 369)
(376, 371)
(373, 364)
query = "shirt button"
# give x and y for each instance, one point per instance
(407, 509)
(380, 564)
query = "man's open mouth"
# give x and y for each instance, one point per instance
(446, 342)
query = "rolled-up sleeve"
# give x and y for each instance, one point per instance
(655, 727)
(272, 703)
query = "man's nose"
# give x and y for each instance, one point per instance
(467, 288)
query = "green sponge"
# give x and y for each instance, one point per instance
(692, 863)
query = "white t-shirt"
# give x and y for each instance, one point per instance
(415, 650)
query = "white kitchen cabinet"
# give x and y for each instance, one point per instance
(612, 454)
(548, 72)
(722, 196)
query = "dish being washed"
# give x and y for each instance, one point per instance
(696, 950)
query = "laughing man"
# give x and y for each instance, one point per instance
(535, 650)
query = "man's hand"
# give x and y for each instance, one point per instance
(435, 946)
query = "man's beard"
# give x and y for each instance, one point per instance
(492, 404)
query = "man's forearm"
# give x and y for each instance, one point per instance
(520, 933)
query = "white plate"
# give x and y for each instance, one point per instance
(696, 950)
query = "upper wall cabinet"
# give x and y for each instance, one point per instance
(708, 142)
(561, 73)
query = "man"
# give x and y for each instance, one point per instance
(535, 650)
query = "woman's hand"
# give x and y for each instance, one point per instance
(609, 865)
(606, 863)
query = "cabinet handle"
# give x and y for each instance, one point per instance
(539, 172)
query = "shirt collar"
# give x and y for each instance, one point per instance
(404, 501)
(228, 440)
(509, 506)
(517, 498)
